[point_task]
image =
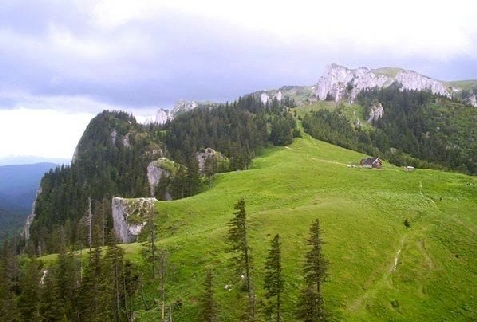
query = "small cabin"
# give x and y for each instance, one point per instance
(371, 163)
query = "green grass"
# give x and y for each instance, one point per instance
(388, 71)
(463, 84)
(361, 213)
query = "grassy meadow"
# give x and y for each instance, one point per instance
(380, 270)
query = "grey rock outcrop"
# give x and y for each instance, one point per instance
(31, 216)
(340, 82)
(158, 169)
(473, 100)
(130, 216)
(163, 115)
(211, 154)
(415, 81)
(377, 112)
(264, 98)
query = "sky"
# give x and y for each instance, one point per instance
(64, 61)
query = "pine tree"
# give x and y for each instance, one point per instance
(273, 281)
(66, 283)
(29, 286)
(89, 293)
(311, 306)
(112, 290)
(241, 259)
(8, 282)
(207, 301)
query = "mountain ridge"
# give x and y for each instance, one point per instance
(340, 82)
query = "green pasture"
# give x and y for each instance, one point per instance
(380, 269)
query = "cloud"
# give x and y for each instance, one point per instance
(63, 58)
(147, 54)
(44, 133)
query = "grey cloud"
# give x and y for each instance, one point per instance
(144, 64)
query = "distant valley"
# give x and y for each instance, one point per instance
(18, 186)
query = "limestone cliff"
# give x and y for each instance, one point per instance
(377, 112)
(158, 169)
(31, 216)
(163, 115)
(473, 100)
(215, 158)
(130, 216)
(339, 82)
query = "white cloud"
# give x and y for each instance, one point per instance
(44, 133)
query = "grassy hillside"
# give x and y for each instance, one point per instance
(380, 270)
(463, 84)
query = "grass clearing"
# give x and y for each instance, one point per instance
(380, 270)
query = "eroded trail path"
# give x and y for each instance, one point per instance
(380, 283)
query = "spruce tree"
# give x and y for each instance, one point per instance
(29, 286)
(273, 281)
(9, 276)
(311, 306)
(207, 301)
(241, 259)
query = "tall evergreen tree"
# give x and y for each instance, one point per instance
(8, 282)
(207, 301)
(311, 306)
(29, 286)
(237, 237)
(273, 281)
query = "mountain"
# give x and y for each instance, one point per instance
(116, 156)
(339, 82)
(18, 186)
(30, 159)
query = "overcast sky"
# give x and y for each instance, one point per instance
(63, 61)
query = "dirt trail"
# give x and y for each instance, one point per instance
(380, 283)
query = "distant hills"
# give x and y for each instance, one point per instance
(18, 186)
(31, 159)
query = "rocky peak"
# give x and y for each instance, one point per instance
(339, 82)
(415, 81)
(163, 115)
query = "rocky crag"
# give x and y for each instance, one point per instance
(340, 82)
(130, 216)
(181, 106)
(157, 170)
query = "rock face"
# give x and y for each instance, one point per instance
(415, 81)
(26, 228)
(130, 216)
(162, 116)
(473, 100)
(340, 82)
(208, 153)
(158, 169)
(376, 112)
(264, 98)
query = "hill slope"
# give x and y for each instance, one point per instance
(380, 269)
